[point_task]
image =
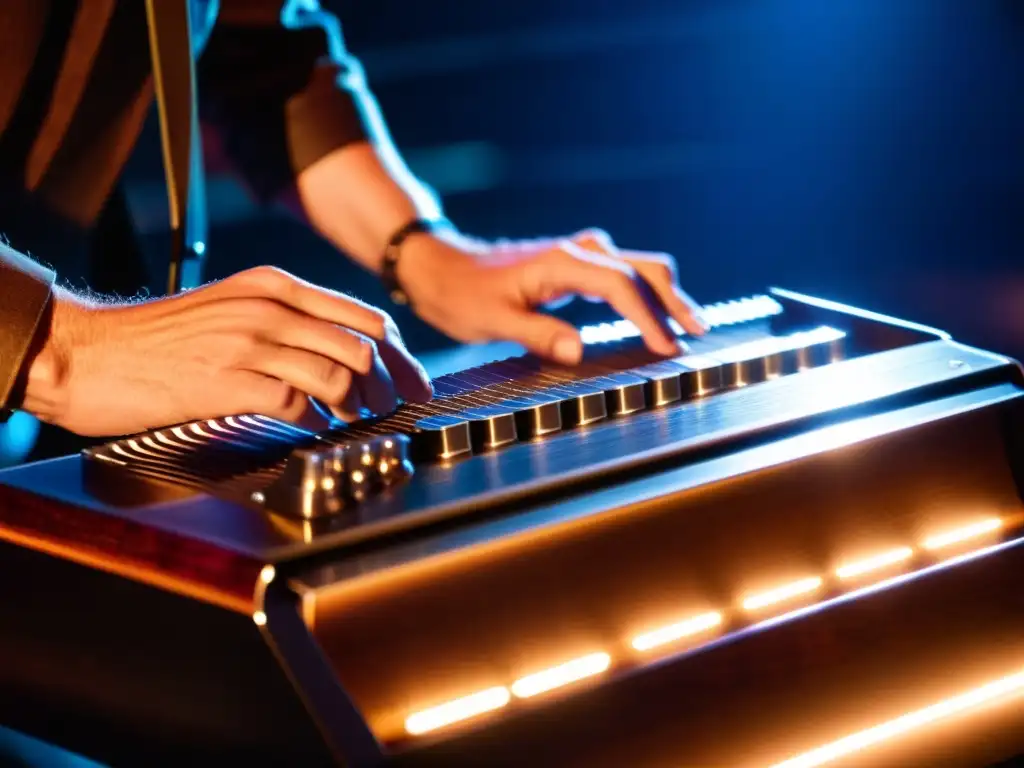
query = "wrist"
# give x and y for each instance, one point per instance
(414, 240)
(428, 261)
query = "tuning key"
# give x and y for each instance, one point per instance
(699, 375)
(306, 488)
(624, 392)
(743, 364)
(582, 402)
(393, 464)
(537, 412)
(442, 437)
(662, 384)
(821, 346)
(360, 469)
(491, 427)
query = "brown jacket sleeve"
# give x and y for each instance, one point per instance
(278, 86)
(25, 291)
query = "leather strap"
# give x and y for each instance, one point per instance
(25, 292)
(170, 43)
(393, 250)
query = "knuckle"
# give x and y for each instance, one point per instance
(663, 270)
(665, 260)
(622, 280)
(337, 382)
(269, 280)
(284, 401)
(595, 234)
(558, 257)
(391, 329)
(240, 347)
(366, 351)
(380, 324)
(257, 315)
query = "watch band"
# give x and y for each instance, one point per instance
(393, 251)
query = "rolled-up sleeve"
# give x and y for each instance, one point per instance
(25, 292)
(278, 86)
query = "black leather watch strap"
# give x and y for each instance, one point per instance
(393, 251)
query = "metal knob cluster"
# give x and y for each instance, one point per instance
(322, 481)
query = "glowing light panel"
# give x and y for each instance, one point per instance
(563, 674)
(949, 538)
(874, 563)
(677, 631)
(856, 742)
(595, 663)
(783, 593)
(457, 710)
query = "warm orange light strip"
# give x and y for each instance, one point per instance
(455, 711)
(673, 632)
(563, 674)
(875, 563)
(958, 535)
(781, 594)
(595, 663)
(861, 740)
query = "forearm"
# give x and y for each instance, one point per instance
(358, 195)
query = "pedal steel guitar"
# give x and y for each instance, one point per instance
(798, 544)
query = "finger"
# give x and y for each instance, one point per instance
(313, 374)
(596, 240)
(377, 389)
(659, 272)
(251, 392)
(359, 351)
(286, 327)
(541, 334)
(352, 409)
(387, 367)
(313, 418)
(266, 282)
(571, 269)
(412, 383)
(316, 301)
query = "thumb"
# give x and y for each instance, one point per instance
(543, 335)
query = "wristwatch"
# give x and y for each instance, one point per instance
(389, 264)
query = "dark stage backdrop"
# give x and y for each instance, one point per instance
(870, 150)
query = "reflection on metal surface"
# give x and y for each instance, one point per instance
(781, 594)
(556, 677)
(874, 563)
(673, 632)
(990, 692)
(457, 710)
(959, 535)
(593, 664)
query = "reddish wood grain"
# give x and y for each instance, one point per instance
(129, 548)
